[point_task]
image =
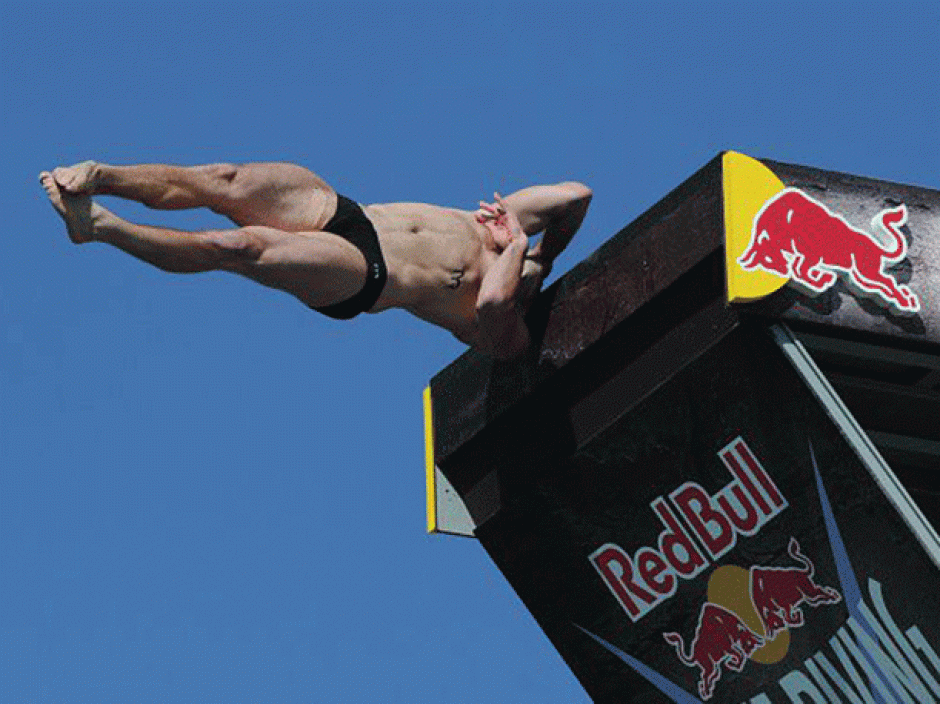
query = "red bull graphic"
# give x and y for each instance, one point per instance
(859, 663)
(721, 638)
(724, 633)
(778, 592)
(869, 655)
(796, 236)
(646, 579)
(787, 608)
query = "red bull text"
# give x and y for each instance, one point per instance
(796, 236)
(650, 576)
(700, 528)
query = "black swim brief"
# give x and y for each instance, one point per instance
(351, 224)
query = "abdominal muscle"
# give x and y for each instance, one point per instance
(436, 259)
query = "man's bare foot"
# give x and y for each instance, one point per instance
(79, 178)
(79, 212)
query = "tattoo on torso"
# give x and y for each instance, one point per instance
(455, 276)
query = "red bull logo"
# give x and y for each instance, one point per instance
(721, 638)
(651, 575)
(855, 652)
(778, 592)
(796, 236)
(729, 633)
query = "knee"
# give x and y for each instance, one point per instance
(224, 173)
(221, 181)
(234, 249)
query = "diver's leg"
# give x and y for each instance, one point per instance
(274, 194)
(320, 268)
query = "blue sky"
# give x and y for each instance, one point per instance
(210, 494)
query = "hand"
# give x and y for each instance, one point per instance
(501, 222)
(491, 212)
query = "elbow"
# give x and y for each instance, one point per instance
(576, 197)
(579, 191)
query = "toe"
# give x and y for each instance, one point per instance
(61, 176)
(52, 190)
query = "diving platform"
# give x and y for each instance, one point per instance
(722, 454)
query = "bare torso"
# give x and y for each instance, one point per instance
(436, 259)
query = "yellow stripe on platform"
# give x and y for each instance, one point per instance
(430, 480)
(747, 185)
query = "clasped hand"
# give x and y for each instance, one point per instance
(504, 226)
(500, 221)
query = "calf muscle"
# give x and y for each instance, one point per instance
(173, 251)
